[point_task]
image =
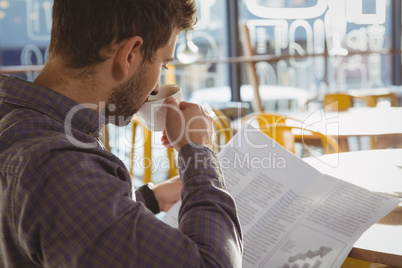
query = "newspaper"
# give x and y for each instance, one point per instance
(291, 214)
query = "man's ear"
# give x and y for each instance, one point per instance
(129, 55)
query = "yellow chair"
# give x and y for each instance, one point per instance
(355, 263)
(287, 135)
(337, 101)
(266, 119)
(147, 160)
(271, 118)
(221, 125)
(372, 100)
(222, 122)
(332, 101)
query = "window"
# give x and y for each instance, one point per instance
(349, 33)
(25, 27)
(336, 46)
(210, 37)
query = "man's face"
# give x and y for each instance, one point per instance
(126, 99)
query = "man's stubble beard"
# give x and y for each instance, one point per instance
(126, 99)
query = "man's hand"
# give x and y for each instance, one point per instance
(167, 193)
(186, 123)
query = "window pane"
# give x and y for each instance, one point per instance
(348, 31)
(25, 27)
(210, 36)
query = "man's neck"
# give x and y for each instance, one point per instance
(83, 89)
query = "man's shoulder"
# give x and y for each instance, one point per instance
(30, 138)
(23, 120)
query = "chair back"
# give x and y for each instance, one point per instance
(264, 119)
(147, 159)
(337, 102)
(287, 135)
(221, 125)
(372, 100)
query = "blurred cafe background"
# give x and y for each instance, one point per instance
(318, 76)
(244, 58)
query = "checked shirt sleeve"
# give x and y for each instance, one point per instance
(80, 214)
(208, 215)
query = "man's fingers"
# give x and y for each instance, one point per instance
(167, 144)
(186, 123)
(164, 137)
(172, 106)
(171, 101)
(165, 141)
(184, 105)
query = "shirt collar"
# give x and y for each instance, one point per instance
(20, 92)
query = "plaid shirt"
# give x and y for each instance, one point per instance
(66, 202)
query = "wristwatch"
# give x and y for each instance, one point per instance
(150, 201)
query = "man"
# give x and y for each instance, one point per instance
(66, 202)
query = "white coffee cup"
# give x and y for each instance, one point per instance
(152, 113)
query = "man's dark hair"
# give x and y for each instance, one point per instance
(83, 30)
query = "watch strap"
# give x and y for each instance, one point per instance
(150, 201)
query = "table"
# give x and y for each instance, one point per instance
(282, 98)
(359, 121)
(376, 170)
(382, 124)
